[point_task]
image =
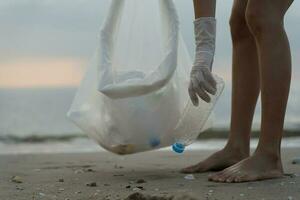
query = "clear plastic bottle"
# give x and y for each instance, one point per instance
(202, 112)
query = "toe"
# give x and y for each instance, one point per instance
(212, 177)
(231, 178)
(218, 177)
(228, 175)
(224, 176)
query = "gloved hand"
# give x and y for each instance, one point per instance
(202, 81)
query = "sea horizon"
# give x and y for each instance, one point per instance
(39, 114)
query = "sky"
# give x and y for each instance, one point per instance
(47, 43)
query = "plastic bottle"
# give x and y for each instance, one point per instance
(183, 140)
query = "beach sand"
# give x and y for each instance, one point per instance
(105, 176)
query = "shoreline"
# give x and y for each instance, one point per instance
(86, 145)
(50, 137)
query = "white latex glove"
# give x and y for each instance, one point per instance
(202, 82)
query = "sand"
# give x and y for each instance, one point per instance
(100, 176)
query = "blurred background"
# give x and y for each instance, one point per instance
(45, 47)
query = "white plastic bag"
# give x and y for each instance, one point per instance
(134, 96)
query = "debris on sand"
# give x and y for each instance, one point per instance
(292, 175)
(92, 184)
(140, 181)
(184, 197)
(79, 171)
(89, 170)
(19, 188)
(16, 179)
(140, 196)
(138, 188)
(189, 177)
(118, 175)
(118, 166)
(42, 194)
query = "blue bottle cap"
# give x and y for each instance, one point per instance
(178, 147)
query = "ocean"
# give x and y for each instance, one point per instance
(40, 113)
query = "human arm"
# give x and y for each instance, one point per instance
(202, 81)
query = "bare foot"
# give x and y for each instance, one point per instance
(255, 168)
(218, 161)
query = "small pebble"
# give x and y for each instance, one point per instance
(42, 194)
(16, 179)
(118, 175)
(139, 181)
(61, 180)
(19, 188)
(291, 175)
(92, 184)
(136, 189)
(241, 195)
(210, 191)
(78, 192)
(90, 170)
(105, 184)
(61, 189)
(290, 198)
(118, 166)
(79, 171)
(128, 186)
(189, 177)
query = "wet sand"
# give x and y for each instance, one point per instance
(106, 176)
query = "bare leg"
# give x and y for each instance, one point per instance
(245, 93)
(265, 19)
(204, 8)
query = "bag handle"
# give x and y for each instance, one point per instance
(155, 80)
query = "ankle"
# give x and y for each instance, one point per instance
(272, 155)
(238, 149)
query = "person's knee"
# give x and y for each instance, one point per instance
(261, 22)
(238, 27)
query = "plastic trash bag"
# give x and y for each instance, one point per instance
(134, 96)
